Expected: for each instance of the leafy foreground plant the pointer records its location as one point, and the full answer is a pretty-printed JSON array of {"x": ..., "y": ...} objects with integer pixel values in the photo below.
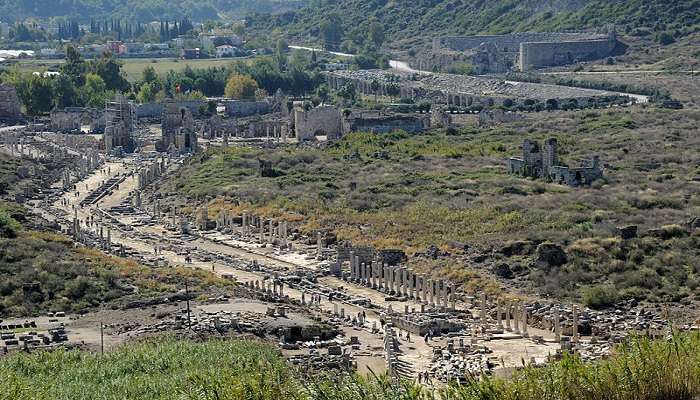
[{"x": 239, "y": 369}]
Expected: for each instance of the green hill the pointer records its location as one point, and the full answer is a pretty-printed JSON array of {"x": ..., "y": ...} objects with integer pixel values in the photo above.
[
  {"x": 141, "y": 10},
  {"x": 412, "y": 20}
]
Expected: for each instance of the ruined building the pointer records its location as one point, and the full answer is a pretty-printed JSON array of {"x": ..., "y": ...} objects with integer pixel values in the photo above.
[
  {"x": 543, "y": 164},
  {"x": 71, "y": 120},
  {"x": 179, "y": 135},
  {"x": 520, "y": 51},
  {"x": 120, "y": 124},
  {"x": 10, "y": 108}
]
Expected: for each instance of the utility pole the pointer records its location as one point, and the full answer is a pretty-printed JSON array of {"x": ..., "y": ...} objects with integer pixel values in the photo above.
[{"x": 187, "y": 299}]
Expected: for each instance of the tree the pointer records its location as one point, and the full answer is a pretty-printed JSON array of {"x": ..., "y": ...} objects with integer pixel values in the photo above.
[
  {"x": 149, "y": 76},
  {"x": 64, "y": 92},
  {"x": 146, "y": 94},
  {"x": 281, "y": 53},
  {"x": 240, "y": 87},
  {"x": 331, "y": 31},
  {"x": 348, "y": 92},
  {"x": 665, "y": 38},
  {"x": 110, "y": 70},
  {"x": 375, "y": 85},
  {"x": 95, "y": 91},
  {"x": 376, "y": 33},
  {"x": 36, "y": 94},
  {"x": 74, "y": 67}
]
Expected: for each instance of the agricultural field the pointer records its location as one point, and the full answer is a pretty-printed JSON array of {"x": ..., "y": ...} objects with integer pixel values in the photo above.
[{"x": 133, "y": 67}]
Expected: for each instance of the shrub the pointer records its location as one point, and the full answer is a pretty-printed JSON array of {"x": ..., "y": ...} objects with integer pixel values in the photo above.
[{"x": 599, "y": 296}]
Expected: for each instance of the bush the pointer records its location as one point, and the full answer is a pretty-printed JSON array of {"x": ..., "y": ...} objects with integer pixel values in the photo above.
[
  {"x": 600, "y": 296},
  {"x": 665, "y": 38},
  {"x": 8, "y": 225}
]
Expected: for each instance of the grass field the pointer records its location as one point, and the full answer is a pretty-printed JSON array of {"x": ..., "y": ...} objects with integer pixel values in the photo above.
[
  {"x": 132, "y": 67},
  {"x": 166, "y": 368}
]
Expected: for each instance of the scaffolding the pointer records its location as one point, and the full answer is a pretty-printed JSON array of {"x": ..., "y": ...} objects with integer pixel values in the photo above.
[{"x": 120, "y": 124}]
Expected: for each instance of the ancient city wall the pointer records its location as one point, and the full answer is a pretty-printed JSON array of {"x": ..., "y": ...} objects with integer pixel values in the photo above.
[
  {"x": 508, "y": 43},
  {"x": 545, "y": 54}
]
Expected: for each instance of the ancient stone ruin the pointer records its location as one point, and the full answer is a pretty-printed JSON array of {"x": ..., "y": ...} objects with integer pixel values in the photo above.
[
  {"x": 120, "y": 123},
  {"x": 177, "y": 125},
  {"x": 519, "y": 51},
  {"x": 71, "y": 119},
  {"x": 540, "y": 164},
  {"x": 10, "y": 108}
]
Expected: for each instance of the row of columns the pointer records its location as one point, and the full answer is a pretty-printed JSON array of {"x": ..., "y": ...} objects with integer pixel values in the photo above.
[
  {"x": 272, "y": 287},
  {"x": 401, "y": 281}
]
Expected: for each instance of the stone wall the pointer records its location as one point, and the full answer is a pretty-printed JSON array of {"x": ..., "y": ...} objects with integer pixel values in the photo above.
[
  {"x": 509, "y": 43},
  {"x": 155, "y": 110},
  {"x": 323, "y": 120},
  {"x": 10, "y": 107},
  {"x": 240, "y": 108},
  {"x": 500, "y": 53},
  {"x": 382, "y": 123},
  {"x": 547, "y": 54}
]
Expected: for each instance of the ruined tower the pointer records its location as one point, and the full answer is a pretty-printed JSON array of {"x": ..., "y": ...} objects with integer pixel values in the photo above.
[
  {"x": 9, "y": 103},
  {"x": 120, "y": 123},
  {"x": 549, "y": 157},
  {"x": 178, "y": 131}
]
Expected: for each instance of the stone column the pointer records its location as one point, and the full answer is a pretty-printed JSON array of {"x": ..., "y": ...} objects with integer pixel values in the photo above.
[
  {"x": 424, "y": 289},
  {"x": 431, "y": 292},
  {"x": 382, "y": 274},
  {"x": 482, "y": 307},
  {"x": 373, "y": 272},
  {"x": 557, "y": 327},
  {"x": 445, "y": 297},
  {"x": 499, "y": 322},
  {"x": 319, "y": 244},
  {"x": 411, "y": 284},
  {"x": 352, "y": 266},
  {"x": 516, "y": 322},
  {"x": 574, "y": 327},
  {"x": 507, "y": 308},
  {"x": 524, "y": 315}
]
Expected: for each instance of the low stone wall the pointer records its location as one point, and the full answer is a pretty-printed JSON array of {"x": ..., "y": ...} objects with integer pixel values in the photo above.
[
  {"x": 240, "y": 108},
  {"x": 155, "y": 110}
]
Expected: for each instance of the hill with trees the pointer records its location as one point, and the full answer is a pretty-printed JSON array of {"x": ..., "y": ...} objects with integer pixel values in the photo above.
[
  {"x": 342, "y": 22},
  {"x": 140, "y": 10}
]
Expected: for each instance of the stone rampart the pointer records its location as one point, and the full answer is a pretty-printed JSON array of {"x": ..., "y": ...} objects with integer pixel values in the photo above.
[{"x": 547, "y": 54}]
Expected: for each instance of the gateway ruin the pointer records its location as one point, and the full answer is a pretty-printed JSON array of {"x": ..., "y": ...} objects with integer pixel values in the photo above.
[{"x": 542, "y": 163}]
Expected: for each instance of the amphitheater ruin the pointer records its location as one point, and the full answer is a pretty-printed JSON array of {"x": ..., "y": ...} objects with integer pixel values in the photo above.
[{"x": 518, "y": 51}]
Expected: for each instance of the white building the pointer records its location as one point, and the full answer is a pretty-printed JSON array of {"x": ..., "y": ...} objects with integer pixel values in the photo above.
[{"x": 225, "y": 51}]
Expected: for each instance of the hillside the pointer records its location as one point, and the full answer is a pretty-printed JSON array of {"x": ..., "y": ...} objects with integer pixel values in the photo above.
[
  {"x": 419, "y": 20},
  {"x": 443, "y": 187},
  {"x": 143, "y": 11}
]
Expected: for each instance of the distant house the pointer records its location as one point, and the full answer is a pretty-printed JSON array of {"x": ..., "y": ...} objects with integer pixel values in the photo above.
[
  {"x": 189, "y": 54},
  {"x": 225, "y": 51},
  {"x": 156, "y": 46},
  {"x": 134, "y": 47},
  {"x": 116, "y": 47}
]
